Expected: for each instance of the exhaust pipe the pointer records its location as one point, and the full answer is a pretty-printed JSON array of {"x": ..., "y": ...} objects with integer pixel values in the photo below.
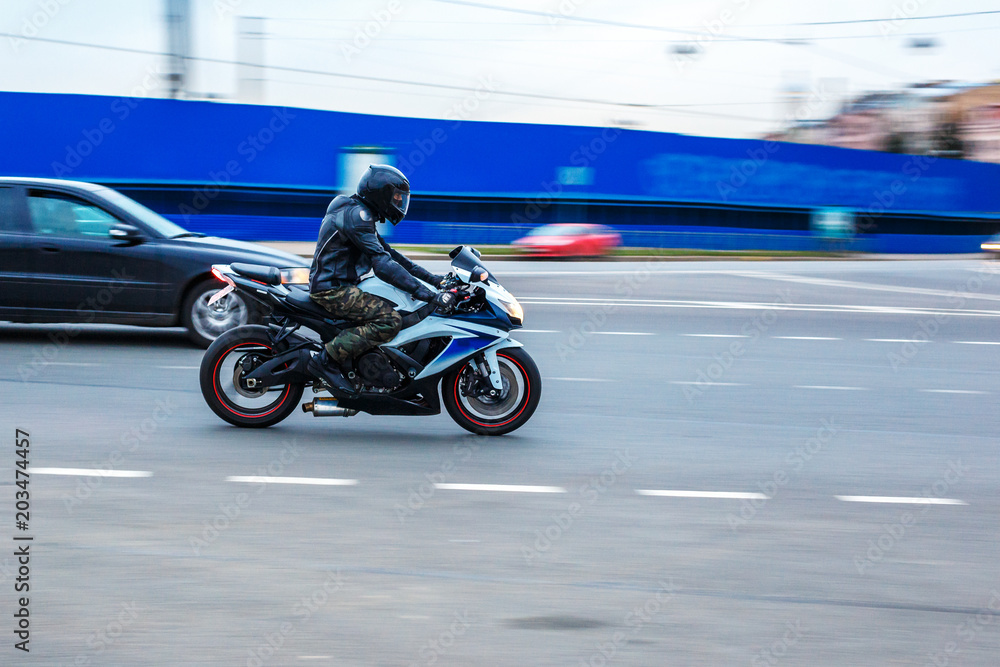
[{"x": 327, "y": 407}]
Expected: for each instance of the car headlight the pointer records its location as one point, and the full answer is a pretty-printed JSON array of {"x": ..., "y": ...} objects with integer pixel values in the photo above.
[
  {"x": 991, "y": 245},
  {"x": 513, "y": 308},
  {"x": 295, "y": 276}
]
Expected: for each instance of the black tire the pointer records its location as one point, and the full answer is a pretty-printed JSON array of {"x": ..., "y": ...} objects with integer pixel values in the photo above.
[
  {"x": 508, "y": 413},
  {"x": 205, "y": 323},
  {"x": 215, "y": 371}
]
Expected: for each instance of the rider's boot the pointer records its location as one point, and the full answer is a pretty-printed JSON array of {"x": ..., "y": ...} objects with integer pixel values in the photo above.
[{"x": 328, "y": 370}]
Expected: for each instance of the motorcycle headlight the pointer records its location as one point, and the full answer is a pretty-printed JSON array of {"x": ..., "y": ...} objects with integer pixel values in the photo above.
[
  {"x": 296, "y": 276},
  {"x": 513, "y": 308}
]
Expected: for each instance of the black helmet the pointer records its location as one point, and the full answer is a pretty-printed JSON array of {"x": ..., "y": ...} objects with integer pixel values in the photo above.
[{"x": 386, "y": 190}]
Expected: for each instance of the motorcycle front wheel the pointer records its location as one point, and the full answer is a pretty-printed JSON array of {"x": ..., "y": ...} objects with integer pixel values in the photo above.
[
  {"x": 224, "y": 367},
  {"x": 485, "y": 415}
]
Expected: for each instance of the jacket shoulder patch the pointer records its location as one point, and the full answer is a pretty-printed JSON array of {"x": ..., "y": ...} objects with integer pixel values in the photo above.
[{"x": 365, "y": 215}]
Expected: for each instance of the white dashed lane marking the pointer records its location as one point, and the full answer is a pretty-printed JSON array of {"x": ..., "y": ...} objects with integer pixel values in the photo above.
[
  {"x": 622, "y": 333},
  {"x": 901, "y": 500},
  {"x": 806, "y": 338},
  {"x": 312, "y": 481},
  {"x": 977, "y": 342},
  {"x": 954, "y": 391},
  {"x": 511, "y": 488},
  {"x": 896, "y": 340},
  {"x": 89, "y": 472},
  {"x": 709, "y": 384},
  {"x": 832, "y": 388},
  {"x": 714, "y": 336},
  {"x": 720, "y": 495}
]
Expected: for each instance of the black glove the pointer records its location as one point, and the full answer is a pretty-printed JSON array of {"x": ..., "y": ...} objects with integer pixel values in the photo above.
[
  {"x": 423, "y": 294},
  {"x": 445, "y": 301},
  {"x": 439, "y": 281}
]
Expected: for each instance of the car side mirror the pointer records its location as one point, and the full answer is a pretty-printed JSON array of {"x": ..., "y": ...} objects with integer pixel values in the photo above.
[{"x": 125, "y": 232}]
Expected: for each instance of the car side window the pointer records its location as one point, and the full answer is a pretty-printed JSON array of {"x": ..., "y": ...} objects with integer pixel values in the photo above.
[
  {"x": 8, "y": 215},
  {"x": 54, "y": 214}
]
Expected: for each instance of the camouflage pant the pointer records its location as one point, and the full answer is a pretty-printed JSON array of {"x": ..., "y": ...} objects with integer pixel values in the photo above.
[{"x": 379, "y": 323}]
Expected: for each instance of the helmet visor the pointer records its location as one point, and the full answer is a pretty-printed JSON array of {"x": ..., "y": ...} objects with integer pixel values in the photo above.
[{"x": 400, "y": 201}]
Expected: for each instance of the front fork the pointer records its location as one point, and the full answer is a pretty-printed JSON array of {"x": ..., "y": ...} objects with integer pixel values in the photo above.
[{"x": 487, "y": 369}]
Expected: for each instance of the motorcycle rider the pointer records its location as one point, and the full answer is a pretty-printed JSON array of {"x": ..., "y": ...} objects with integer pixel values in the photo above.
[{"x": 349, "y": 246}]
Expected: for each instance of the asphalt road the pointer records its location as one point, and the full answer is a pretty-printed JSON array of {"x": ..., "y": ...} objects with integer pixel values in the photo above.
[{"x": 733, "y": 463}]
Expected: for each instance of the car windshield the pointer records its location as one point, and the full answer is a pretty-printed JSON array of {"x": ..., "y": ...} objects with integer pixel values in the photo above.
[
  {"x": 151, "y": 219},
  {"x": 555, "y": 230}
]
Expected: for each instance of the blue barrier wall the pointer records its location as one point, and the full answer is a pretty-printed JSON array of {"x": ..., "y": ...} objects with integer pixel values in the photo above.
[{"x": 182, "y": 143}]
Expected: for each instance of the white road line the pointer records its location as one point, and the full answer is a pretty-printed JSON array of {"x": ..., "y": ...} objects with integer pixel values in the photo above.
[
  {"x": 89, "y": 472},
  {"x": 953, "y": 391},
  {"x": 748, "y": 305},
  {"x": 826, "y": 282},
  {"x": 67, "y": 363},
  {"x": 807, "y": 386},
  {"x": 500, "y": 487},
  {"x": 580, "y": 380},
  {"x": 895, "y": 340},
  {"x": 725, "y": 495},
  {"x": 714, "y": 336},
  {"x": 622, "y": 333},
  {"x": 805, "y": 338},
  {"x": 315, "y": 481},
  {"x": 537, "y": 331},
  {"x": 709, "y": 384},
  {"x": 901, "y": 501},
  {"x": 180, "y": 368},
  {"x": 977, "y": 342}
]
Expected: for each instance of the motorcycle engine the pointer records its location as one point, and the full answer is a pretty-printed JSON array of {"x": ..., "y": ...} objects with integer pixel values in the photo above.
[{"x": 376, "y": 371}]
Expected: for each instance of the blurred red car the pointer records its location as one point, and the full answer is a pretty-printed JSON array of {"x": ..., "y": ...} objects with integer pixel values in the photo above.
[{"x": 569, "y": 240}]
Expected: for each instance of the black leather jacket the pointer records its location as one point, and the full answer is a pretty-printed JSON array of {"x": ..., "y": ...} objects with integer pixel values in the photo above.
[{"x": 349, "y": 247}]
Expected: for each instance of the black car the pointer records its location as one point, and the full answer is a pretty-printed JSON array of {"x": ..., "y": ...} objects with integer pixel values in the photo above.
[{"x": 79, "y": 252}]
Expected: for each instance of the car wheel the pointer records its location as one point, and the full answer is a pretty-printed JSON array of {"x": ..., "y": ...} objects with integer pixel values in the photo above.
[{"x": 206, "y": 322}]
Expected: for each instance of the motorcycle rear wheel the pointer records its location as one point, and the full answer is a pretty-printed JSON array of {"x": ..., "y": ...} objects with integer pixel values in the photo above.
[{"x": 222, "y": 372}]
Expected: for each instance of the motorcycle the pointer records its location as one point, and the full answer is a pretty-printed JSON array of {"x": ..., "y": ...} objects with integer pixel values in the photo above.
[{"x": 254, "y": 375}]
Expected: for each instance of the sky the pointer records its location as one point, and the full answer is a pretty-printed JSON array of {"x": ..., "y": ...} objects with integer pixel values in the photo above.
[{"x": 578, "y": 62}]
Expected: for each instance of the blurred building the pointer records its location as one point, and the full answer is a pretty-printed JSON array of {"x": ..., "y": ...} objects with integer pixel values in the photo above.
[{"x": 944, "y": 119}]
